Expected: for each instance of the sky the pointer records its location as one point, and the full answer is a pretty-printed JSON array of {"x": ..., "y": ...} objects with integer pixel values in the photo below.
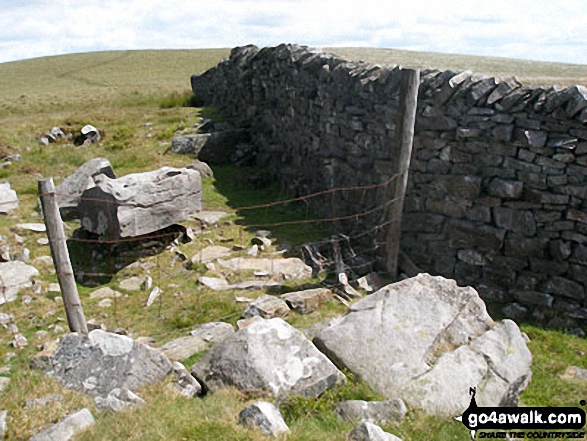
[{"x": 545, "y": 30}]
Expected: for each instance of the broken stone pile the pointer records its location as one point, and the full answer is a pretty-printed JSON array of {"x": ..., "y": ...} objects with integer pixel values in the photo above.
[
  {"x": 132, "y": 205},
  {"x": 497, "y": 190},
  {"x": 421, "y": 343}
]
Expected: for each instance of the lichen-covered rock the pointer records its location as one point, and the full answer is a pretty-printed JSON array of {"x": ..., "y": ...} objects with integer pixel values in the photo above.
[
  {"x": 102, "y": 361},
  {"x": 367, "y": 431},
  {"x": 67, "y": 428},
  {"x": 14, "y": 276},
  {"x": 427, "y": 341},
  {"x": 265, "y": 416},
  {"x": 267, "y": 357}
]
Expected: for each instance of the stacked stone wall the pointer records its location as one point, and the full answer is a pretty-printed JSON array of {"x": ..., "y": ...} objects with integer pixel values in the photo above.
[{"x": 497, "y": 192}]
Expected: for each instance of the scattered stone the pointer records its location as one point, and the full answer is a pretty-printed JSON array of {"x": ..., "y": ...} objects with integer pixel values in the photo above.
[
  {"x": 70, "y": 190},
  {"x": 185, "y": 383},
  {"x": 425, "y": 340},
  {"x": 371, "y": 282},
  {"x": 117, "y": 400},
  {"x": 367, "y": 431},
  {"x": 140, "y": 203},
  {"x": 264, "y": 416},
  {"x": 378, "y": 412},
  {"x": 574, "y": 373},
  {"x": 105, "y": 361},
  {"x": 218, "y": 284},
  {"x": 67, "y": 428},
  {"x": 4, "y": 382},
  {"x": 155, "y": 294},
  {"x": 268, "y": 356},
  {"x": 15, "y": 276},
  {"x": 253, "y": 251},
  {"x": 35, "y": 403},
  {"x": 5, "y": 253},
  {"x": 307, "y": 301},
  {"x": 202, "y": 168},
  {"x": 104, "y": 293},
  {"x": 134, "y": 283},
  {"x": 199, "y": 340},
  {"x": 54, "y": 287},
  {"x": 3, "y": 428},
  {"x": 19, "y": 341},
  {"x": 42, "y": 334},
  {"x": 267, "y": 307},
  {"x": 210, "y": 254},
  {"x": 58, "y": 329},
  {"x": 37, "y": 228},
  {"x": 8, "y": 198},
  {"x": 243, "y": 299},
  {"x": 214, "y": 283},
  {"x": 6, "y": 319},
  {"x": 287, "y": 269},
  {"x": 43, "y": 241},
  {"x": 209, "y": 217},
  {"x": 105, "y": 303},
  {"x": 262, "y": 242}
]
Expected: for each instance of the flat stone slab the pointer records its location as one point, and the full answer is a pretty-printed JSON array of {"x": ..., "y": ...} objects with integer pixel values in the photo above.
[
  {"x": 289, "y": 268},
  {"x": 210, "y": 254},
  {"x": 140, "y": 203},
  {"x": 101, "y": 362},
  {"x": 218, "y": 284},
  {"x": 210, "y": 217},
  {"x": 104, "y": 293},
  {"x": 134, "y": 283},
  {"x": 427, "y": 341},
  {"x": 37, "y": 228},
  {"x": 199, "y": 340},
  {"x": 15, "y": 275},
  {"x": 267, "y": 357},
  {"x": 308, "y": 300},
  {"x": 267, "y": 307},
  {"x": 67, "y": 428}
]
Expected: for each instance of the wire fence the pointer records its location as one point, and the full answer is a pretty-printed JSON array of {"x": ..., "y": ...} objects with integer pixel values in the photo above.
[{"x": 98, "y": 258}]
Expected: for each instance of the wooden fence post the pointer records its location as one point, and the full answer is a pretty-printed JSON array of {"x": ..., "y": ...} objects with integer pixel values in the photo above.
[
  {"x": 400, "y": 166},
  {"x": 56, "y": 235}
]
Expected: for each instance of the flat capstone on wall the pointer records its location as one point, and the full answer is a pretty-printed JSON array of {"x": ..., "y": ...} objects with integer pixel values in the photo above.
[{"x": 497, "y": 192}]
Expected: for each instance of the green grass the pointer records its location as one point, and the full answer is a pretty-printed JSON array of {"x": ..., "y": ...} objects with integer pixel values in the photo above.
[{"x": 138, "y": 100}]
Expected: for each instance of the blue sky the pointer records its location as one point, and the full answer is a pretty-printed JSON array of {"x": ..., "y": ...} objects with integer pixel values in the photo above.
[{"x": 547, "y": 30}]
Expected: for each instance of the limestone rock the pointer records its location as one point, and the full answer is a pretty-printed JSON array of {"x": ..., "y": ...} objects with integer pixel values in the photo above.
[
  {"x": 574, "y": 373},
  {"x": 4, "y": 382},
  {"x": 15, "y": 275},
  {"x": 102, "y": 361},
  {"x": 210, "y": 254},
  {"x": 185, "y": 384},
  {"x": 140, "y": 203},
  {"x": 308, "y": 300},
  {"x": 367, "y": 431},
  {"x": 134, "y": 283},
  {"x": 210, "y": 217},
  {"x": 199, "y": 340},
  {"x": 378, "y": 412},
  {"x": 218, "y": 284},
  {"x": 268, "y": 356},
  {"x": 104, "y": 293},
  {"x": 35, "y": 227},
  {"x": 264, "y": 416},
  {"x": 68, "y": 193},
  {"x": 267, "y": 307},
  {"x": 117, "y": 400},
  {"x": 290, "y": 268},
  {"x": 202, "y": 168},
  {"x": 3, "y": 428},
  {"x": 426, "y": 341},
  {"x": 8, "y": 198},
  {"x": 67, "y": 428}
]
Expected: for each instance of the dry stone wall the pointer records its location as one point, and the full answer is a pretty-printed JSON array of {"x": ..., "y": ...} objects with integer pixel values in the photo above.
[{"x": 497, "y": 193}]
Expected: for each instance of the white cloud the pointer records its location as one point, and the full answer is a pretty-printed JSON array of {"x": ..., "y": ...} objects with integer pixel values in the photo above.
[{"x": 536, "y": 29}]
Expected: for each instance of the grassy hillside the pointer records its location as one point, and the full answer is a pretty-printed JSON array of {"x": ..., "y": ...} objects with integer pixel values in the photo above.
[{"x": 135, "y": 98}]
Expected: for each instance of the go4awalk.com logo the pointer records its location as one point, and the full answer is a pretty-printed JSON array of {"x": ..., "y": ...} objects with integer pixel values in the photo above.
[{"x": 523, "y": 422}]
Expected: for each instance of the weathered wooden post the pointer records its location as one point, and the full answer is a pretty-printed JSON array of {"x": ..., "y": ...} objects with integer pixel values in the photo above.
[
  {"x": 56, "y": 235},
  {"x": 400, "y": 166}
]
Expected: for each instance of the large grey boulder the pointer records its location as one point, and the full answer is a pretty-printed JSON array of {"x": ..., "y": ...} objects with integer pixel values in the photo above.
[
  {"x": 140, "y": 203},
  {"x": 67, "y": 428},
  {"x": 14, "y": 276},
  {"x": 265, "y": 416},
  {"x": 68, "y": 193},
  {"x": 427, "y": 341},
  {"x": 8, "y": 198},
  {"x": 101, "y": 362},
  {"x": 267, "y": 357}
]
